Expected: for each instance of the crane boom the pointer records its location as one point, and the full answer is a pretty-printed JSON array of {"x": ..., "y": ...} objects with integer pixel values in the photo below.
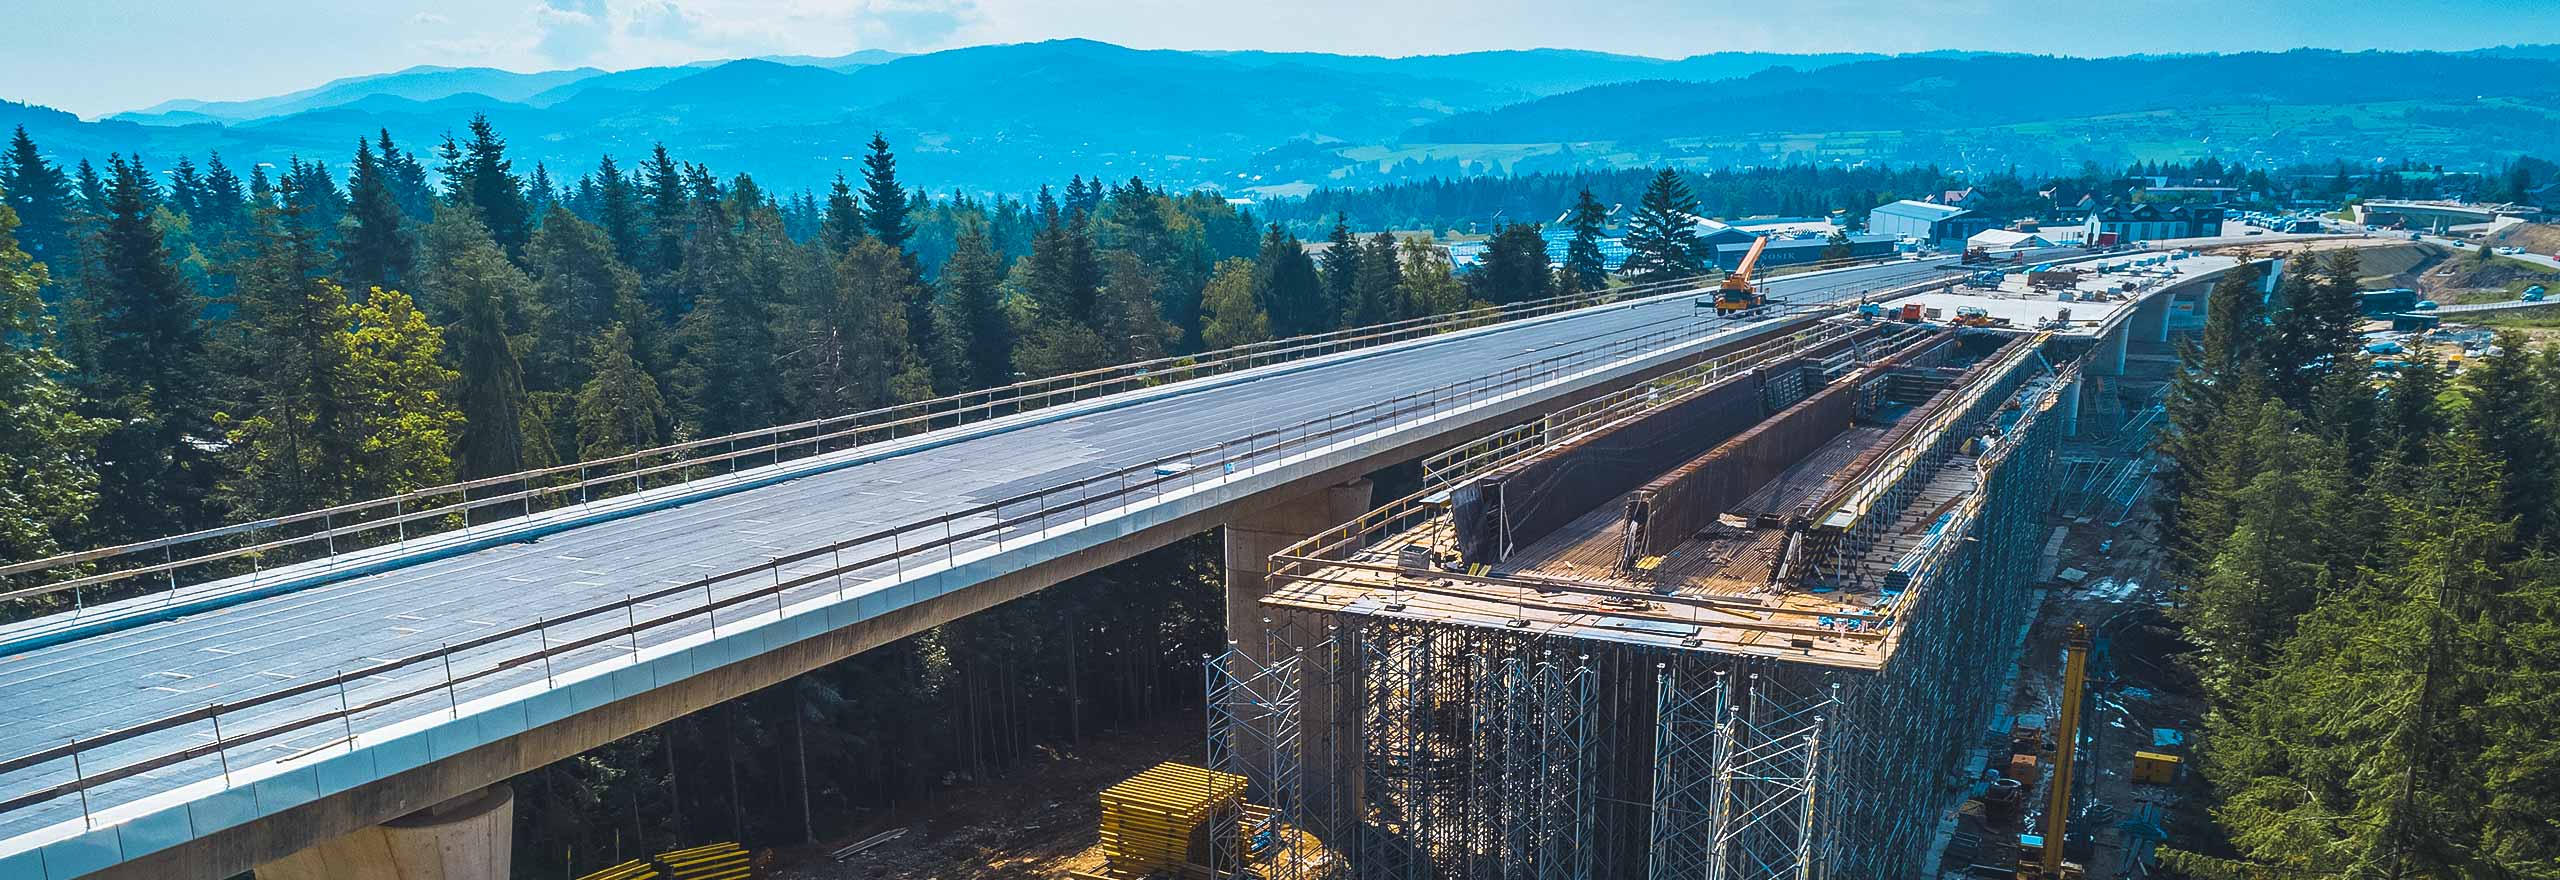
[
  {"x": 1737, "y": 295},
  {"x": 1741, "y": 277},
  {"x": 2066, "y": 741}
]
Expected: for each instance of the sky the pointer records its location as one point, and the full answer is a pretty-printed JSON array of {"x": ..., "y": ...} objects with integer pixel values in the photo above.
[{"x": 95, "y": 57}]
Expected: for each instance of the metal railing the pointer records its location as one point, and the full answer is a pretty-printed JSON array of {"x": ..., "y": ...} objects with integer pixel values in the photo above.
[
  {"x": 256, "y": 547},
  {"x": 988, "y": 527}
]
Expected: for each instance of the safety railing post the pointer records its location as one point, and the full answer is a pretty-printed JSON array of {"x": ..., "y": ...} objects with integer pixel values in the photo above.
[{"x": 452, "y": 702}]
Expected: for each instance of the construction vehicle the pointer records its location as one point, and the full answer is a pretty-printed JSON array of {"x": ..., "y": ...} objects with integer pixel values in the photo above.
[
  {"x": 1972, "y": 316},
  {"x": 2066, "y": 739},
  {"x": 1738, "y": 297}
]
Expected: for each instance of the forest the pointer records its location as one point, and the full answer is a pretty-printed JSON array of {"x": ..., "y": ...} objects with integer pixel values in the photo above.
[
  {"x": 2370, "y": 591},
  {"x": 185, "y": 349},
  {"x": 2372, "y": 597}
]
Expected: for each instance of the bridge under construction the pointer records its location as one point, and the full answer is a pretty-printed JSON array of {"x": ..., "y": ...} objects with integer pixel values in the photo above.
[{"x": 1741, "y": 621}]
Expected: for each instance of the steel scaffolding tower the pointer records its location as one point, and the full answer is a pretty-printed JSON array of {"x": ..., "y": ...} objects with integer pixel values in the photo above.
[{"x": 1254, "y": 732}]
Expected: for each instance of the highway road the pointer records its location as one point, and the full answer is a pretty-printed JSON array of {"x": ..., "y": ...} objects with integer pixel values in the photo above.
[{"x": 103, "y": 682}]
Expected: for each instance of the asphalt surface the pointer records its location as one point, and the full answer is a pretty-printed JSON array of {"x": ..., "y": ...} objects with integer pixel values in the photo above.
[{"x": 109, "y": 681}]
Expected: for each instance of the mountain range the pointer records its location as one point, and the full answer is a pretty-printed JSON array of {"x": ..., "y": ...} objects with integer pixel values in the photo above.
[{"x": 1010, "y": 117}]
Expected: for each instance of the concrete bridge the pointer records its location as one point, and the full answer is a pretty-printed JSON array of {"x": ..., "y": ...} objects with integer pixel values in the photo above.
[{"x": 327, "y": 716}]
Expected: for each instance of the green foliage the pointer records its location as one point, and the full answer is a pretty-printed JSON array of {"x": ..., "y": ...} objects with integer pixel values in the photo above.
[
  {"x": 1662, "y": 240},
  {"x": 155, "y": 472},
  {"x": 884, "y": 202},
  {"x": 1513, "y": 268},
  {"x": 1231, "y": 316},
  {"x": 2373, "y": 622},
  {"x": 1286, "y": 286},
  {"x": 977, "y": 334},
  {"x": 620, "y": 409},
  {"x": 45, "y": 443},
  {"x": 1582, "y": 257}
]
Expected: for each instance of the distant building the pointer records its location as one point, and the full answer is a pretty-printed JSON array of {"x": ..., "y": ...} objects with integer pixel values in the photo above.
[
  {"x": 1967, "y": 198},
  {"x": 2006, "y": 240},
  {"x": 1783, "y": 252},
  {"x": 2152, "y": 222},
  {"x": 1613, "y": 249},
  {"x": 1940, "y": 225}
]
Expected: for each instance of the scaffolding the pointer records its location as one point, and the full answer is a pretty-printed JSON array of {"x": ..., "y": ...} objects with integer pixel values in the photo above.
[{"x": 1510, "y": 723}]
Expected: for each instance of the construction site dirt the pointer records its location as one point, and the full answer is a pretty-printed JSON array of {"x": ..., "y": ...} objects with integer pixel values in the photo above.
[{"x": 1035, "y": 823}]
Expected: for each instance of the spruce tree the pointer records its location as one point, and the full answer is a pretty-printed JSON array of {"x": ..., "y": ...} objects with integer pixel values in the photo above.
[
  {"x": 1513, "y": 268},
  {"x": 977, "y": 334},
  {"x": 487, "y": 181},
  {"x": 1378, "y": 298},
  {"x": 2505, "y": 419},
  {"x": 843, "y": 221},
  {"x": 884, "y": 202},
  {"x": 1662, "y": 238},
  {"x": 1341, "y": 270},
  {"x": 42, "y": 196},
  {"x": 156, "y": 474},
  {"x": 377, "y": 249},
  {"x": 618, "y": 211},
  {"x": 581, "y": 290},
  {"x": 297, "y": 447},
  {"x": 850, "y": 352},
  {"x": 1582, "y": 257},
  {"x": 670, "y": 222},
  {"x": 1287, "y": 288},
  {"x": 620, "y": 409},
  {"x": 485, "y": 292}
]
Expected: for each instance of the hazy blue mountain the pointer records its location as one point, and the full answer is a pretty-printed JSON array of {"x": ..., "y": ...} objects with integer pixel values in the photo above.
[
  {"x": 423, "y": 83},
  {"x": 1009, "y": 117},
  {"x": 1959, "y": 93},
  {"x": 1538, "y": 72}
]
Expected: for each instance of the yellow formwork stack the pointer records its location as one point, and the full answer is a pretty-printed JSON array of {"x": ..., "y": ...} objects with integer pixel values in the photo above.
[
  {"x": 1154, "y": 822},
  {"x": 637, "y": 869},
  {"x": 718, "y": 861}
]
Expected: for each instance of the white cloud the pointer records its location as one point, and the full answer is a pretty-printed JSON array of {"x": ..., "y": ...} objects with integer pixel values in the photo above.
[
  {"x": 632, "y": 33},
  {"x": 429, "y": 19}
]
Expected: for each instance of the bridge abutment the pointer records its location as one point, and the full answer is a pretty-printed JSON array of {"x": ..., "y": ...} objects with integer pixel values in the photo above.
[{"x": 471, "y": 837}]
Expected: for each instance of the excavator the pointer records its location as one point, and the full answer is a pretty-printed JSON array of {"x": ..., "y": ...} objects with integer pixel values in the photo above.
[{"x": 1737, "y": 298}]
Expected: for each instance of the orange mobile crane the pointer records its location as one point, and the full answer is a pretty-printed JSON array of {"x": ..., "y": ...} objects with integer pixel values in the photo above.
[{"x": 1737, "y": 297}]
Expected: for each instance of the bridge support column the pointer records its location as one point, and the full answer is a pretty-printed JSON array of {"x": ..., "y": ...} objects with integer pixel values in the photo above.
[
  {"x": 1329, "y": 689},
  {"x": 2108, "y": 359},
  {"x": 2151, "y": 318},
  {"x": 468, "y": 838},
  {"x": 1251, "y": 541},
  {"x": 2069, "y": 408}
]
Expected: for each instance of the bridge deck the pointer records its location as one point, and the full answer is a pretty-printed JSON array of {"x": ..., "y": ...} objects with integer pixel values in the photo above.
[{"x": 112, "y": 680}]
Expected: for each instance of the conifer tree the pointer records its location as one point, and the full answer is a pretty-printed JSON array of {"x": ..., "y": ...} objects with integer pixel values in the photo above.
[
  {"x": 1582, "y": 257},
  {"x": 670, "y": 222},
  {"x": 486, "y": 294},
  {"x": 849, "y": 353},
  {"x": 1341, "y": 271},
  {"x": 977, "y": 334},
  {"x": 1662, "y": 238},
  {"x": 1378, "y": 297},
  {"x": 581, "y": 290},
  {"x": 620, "y": 409},
  {"x": 618, "y": 211},
  {"x": 488, "y": 182},
  {"x": 1513, "y": 268},
  {"x": 42, "y": 196},
  {"x": 844, "y": 221},
  {"x": 296, "y": 449},
  {"x": 884, "y": 202},
  {"x": 376, "y": 249},
  {"x": 1287, "y": 288},
  {"x": 155, "y": 473}
]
